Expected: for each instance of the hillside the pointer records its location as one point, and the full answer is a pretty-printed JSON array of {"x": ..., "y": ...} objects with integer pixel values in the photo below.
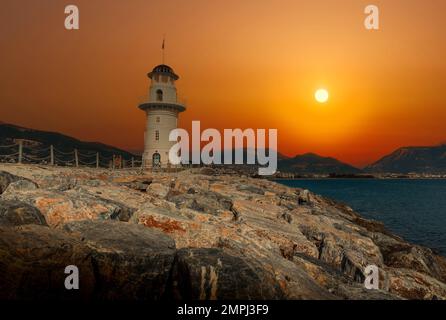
[
  {"x": 412, "y": 159},
  {"x": 9, "y": 133},
  {"x": 313, "y": 163}
]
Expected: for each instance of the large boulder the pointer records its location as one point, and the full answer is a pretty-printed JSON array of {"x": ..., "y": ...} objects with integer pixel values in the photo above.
[
  {"x": 201, "y": 201},
  {"x": 157, "y": 189},
  {"x": 116, "y": 261},
  {"x": 140, "y": 184},
  {"x": 131, "y": 262},
  {"x": 33, "y": 259},
  {"x": 15, "y": 213},
  {"x": 414, "y": 285},
  {"x": 211, "y": 274},
  {"x": 400, "y": 254},
  {"x": 7, "y": 178},
  {"x": 71, "y": 205},
  {"x": 20, "y": 185}
]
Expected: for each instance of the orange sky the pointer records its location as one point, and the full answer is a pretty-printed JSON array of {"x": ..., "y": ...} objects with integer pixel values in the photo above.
[{"x": 250, "y": 63}]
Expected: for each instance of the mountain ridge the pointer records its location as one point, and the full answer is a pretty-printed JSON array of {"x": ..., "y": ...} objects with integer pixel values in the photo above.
[
  {"x": 415, "y": 159},
  {"x": 313, "y": 163},
  {"x": 406, "y": 159},
  {"x": 9, "y": 132}
]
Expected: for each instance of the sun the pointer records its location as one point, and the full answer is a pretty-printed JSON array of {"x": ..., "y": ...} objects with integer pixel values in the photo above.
[{"x": 321, "y": 95}]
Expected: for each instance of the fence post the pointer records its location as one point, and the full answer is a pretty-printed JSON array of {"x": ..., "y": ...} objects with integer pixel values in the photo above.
[
  {"x": 76, "y": 158},
  {"x": 20, "y": 150},
  {"x": 97, "y": 160},
  {"x": 52, "y": 155}
]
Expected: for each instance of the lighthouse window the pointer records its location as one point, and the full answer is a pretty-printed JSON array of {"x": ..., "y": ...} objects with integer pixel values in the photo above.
[
  {"x": 159, "y": 95},
  {"x": 157, "y": 135},
  {"x": 157, "y": 119}
]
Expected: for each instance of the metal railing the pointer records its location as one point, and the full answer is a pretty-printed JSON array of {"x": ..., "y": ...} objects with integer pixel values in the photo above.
[{"x": 146, "y": 99}]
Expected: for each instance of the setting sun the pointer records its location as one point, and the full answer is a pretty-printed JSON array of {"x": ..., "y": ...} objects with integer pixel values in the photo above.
[{"x": 321, "y": 95}]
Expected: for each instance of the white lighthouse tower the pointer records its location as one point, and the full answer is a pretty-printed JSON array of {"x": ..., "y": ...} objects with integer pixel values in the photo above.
[{"x": 162, "y": 108}]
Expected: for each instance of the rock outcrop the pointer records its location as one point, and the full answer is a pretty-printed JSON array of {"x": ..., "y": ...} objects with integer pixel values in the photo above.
[
  {"x": 16, "y": 213},
  {"x": 195, "y": 234}
]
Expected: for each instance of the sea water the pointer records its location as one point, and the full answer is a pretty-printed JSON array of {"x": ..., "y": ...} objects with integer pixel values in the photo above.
[{"x": 412, "y": 209}]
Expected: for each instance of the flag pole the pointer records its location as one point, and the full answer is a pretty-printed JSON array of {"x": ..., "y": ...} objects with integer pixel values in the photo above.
[{"x": 164, "y": 41}]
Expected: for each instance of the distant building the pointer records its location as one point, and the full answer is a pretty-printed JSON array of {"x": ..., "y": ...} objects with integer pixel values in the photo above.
[{"x": 162, "y": 109}]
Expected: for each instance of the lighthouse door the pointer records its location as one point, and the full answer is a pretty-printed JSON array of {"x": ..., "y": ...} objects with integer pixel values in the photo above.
[{"x": 156, "y": 159}]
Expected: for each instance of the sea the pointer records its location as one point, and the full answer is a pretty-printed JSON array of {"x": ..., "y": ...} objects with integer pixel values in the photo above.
[{"x": 414, "y": 209}]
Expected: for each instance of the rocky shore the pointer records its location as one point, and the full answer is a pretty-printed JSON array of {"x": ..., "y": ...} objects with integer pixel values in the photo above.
[{"x": 195, "y": 234}]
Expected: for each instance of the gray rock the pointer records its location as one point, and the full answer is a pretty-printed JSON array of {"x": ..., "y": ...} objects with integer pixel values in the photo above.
[
  {"x": 304, "y": 197},
  {"x": 6, "y": 179},
  {"x": 116, "y": 261},
  {"x": 20, "y": 185},
  {"x": 158, "y": 190},
  {"x": 399, "y": 254},
  {"x": 208, "y": 202},
  {"x": 71, "y": 205},
  {"x": 287, "y": 217},
  {"x": 211, "y": 274},
  {"x": 250, "y": 189},
  {"x": 138, "y": 184},
  {"x": 15, "y": 213},
  {"x": 33, "y": 260},
  {"x": 130, "y": 261},
  {"x": 207, "y": 171}
]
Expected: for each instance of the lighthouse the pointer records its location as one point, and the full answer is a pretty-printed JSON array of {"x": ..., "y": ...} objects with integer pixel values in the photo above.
[{"x": 162, "y": 109}]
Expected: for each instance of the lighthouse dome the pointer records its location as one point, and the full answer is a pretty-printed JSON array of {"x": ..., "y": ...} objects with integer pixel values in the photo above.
[{"x": 163, "y": 69}]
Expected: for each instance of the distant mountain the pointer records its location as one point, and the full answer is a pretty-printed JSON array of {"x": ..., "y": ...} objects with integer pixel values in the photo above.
[
  {"x": 313, "y": 163},
  {"x": 9, "y": 133},
  {"x": 412, "y": 159},
  {"x": 281, "y": 157},
  {"x": 246, "y": 152}
]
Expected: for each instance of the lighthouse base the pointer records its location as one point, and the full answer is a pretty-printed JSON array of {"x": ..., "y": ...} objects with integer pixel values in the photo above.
[{"x": 156, "y": 159}]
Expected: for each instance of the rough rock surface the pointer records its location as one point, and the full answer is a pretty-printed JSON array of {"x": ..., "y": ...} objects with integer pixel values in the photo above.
[
  {"x": 16, "y": 213},
  {"x": 129, "y": 260},
  {"x": 195, "y": 234}
]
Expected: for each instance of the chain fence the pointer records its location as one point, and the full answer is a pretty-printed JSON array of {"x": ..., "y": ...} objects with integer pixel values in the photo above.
[{"x": 22, "y": 153}]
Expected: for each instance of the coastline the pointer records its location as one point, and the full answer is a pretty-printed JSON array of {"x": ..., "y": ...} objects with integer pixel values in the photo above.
[
  {"x": 360, "y": 178},
  {"x": 392, "y": 202},
  {"x": 278, "y": 242}
]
